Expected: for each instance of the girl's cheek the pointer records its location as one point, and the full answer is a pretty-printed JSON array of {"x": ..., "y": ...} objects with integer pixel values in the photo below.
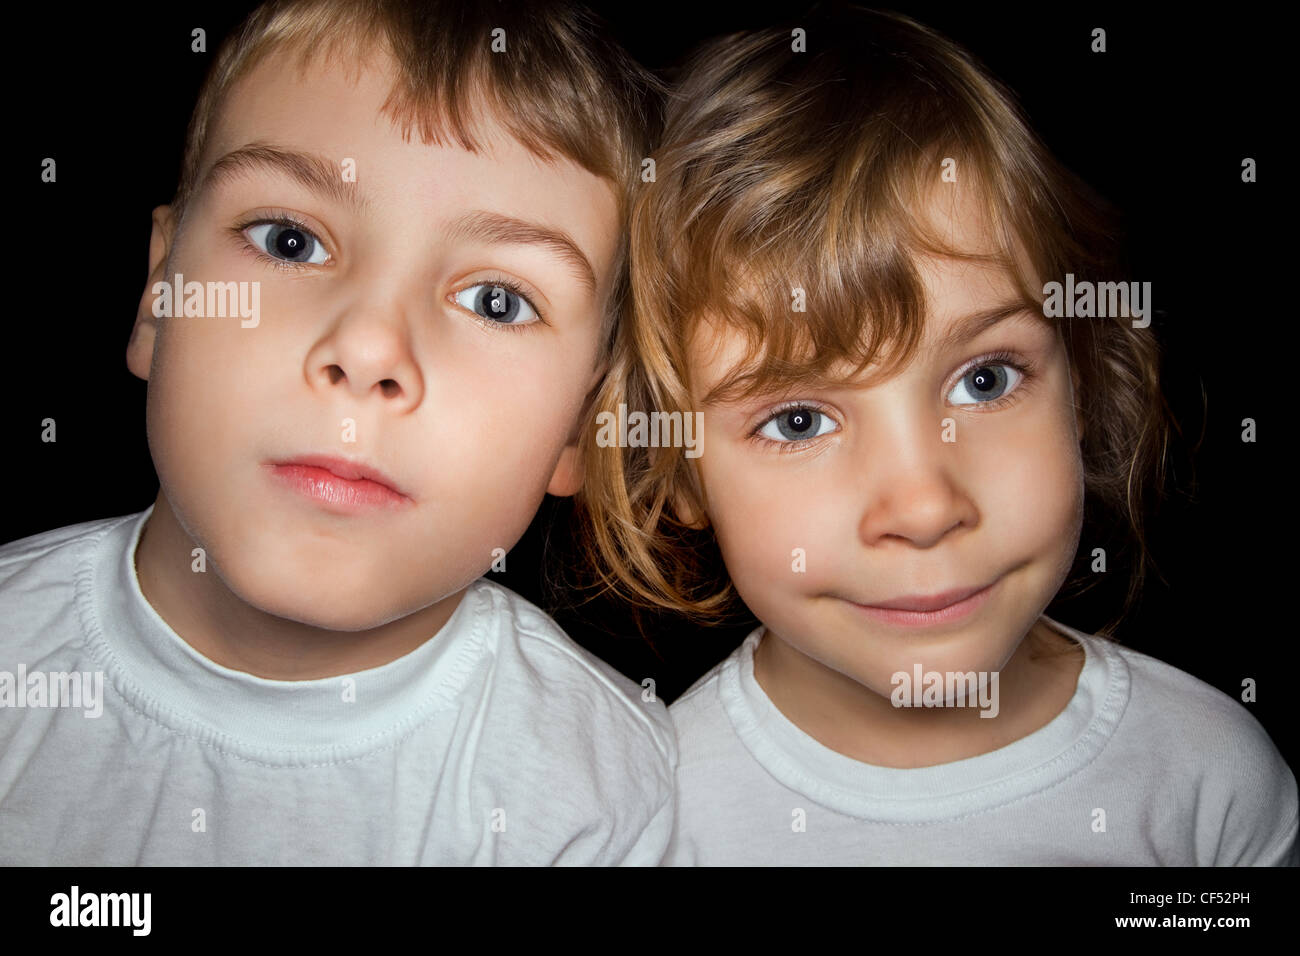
[
  {"x": 1041, "y": 496},
  {"x": 744, "y": 509},
  {"x": 776, "y": 533}
]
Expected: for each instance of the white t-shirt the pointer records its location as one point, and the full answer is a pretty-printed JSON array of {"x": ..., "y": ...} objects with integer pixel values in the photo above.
[
  {"x": 498, "y": 741},
  {"x": 1146, "y": 765}
]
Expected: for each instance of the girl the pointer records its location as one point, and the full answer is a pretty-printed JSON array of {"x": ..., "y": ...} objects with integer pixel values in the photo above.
[{"x": 846, "y": 264}]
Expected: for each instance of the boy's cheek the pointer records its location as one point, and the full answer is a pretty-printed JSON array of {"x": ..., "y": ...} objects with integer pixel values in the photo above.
[{"x": 522, "y": 431}]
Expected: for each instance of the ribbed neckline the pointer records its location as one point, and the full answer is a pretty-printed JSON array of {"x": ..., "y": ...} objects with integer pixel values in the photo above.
[
  {"x": 1064, "y": 745},
  {"x": 273, "y": 722}
]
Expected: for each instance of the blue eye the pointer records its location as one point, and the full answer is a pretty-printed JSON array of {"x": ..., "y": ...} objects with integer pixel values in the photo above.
[
  {"x": 986, "y": 382},
  {"x": 498, "y": 303},
  {"x": 287, "y": 242},
  {"x": 796, "y": 424}
]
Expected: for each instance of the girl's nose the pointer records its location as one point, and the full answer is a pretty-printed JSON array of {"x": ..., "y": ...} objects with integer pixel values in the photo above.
[{"x": 913, "y": 492}]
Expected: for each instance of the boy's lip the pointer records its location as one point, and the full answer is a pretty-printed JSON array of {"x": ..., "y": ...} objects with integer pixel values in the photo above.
[{"x": 347, "y": 469}]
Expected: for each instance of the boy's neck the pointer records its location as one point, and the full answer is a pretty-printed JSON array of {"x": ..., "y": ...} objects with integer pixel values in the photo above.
[
  {"x": 840, "y": 713},
  {"x": 222, "y": 627}
]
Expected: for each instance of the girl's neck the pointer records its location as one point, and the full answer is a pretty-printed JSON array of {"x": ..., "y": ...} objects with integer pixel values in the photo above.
[{"x": 840, "y": 713}]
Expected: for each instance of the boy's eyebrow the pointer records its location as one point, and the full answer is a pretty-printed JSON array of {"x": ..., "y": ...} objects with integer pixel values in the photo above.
[
  {"x": 492, "y": 227},
  {"x": 315, "y": 172},
  {"x": 319, "y": 175}
]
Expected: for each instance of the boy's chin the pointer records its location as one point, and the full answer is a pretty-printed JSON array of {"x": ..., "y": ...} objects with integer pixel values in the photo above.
[{"x": 328, "y": 604}]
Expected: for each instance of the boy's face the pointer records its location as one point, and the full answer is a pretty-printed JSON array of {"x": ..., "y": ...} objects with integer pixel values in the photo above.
[
  {"x": 884, "y": 508},
  {"x": 383, "y": 338}
]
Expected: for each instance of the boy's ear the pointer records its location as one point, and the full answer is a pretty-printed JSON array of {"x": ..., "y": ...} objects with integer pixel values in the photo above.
[
  {"x": 566, "y": 480},
  {"x": 139, "y": 348}
]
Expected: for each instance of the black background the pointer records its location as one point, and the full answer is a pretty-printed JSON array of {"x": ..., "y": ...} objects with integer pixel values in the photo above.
[{"x": 1159, "y": 124}]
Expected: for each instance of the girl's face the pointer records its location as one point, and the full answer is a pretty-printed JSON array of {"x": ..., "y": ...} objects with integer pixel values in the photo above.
[{"x": 962, "y": 471}]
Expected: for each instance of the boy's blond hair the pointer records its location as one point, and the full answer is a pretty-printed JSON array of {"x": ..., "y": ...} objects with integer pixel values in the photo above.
[
  {"x": 561, "y": 86},
  {"x": 782, "y": 169}
]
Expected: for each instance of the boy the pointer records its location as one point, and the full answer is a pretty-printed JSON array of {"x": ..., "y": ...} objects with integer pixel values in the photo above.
[{"x": 298, "y": 658}]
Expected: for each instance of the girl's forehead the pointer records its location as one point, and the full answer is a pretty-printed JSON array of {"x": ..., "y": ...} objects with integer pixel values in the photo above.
[
  {"x": 957, "y": 288},
  {"x": 965, "y": 263},
  {"x": 960, "y": 296}
]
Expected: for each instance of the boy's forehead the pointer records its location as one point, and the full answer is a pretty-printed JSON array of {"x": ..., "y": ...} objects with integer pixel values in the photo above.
[
  {"x": 284, "y": 95},
  {"x": 332, "y": 110}
]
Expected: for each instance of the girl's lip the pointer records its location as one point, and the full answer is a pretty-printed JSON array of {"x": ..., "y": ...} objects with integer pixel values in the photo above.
[
  {"x": 934, "y": 602},
  {"x": 926, "y": 610}
]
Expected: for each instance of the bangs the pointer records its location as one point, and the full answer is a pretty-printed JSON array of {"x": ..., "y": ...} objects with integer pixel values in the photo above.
[
  {"x": 450, "y": 92},
  {"x": 829, "y": 289},
  {"x": 799, "y": 191},
  {"x": 561, "y": 90}
]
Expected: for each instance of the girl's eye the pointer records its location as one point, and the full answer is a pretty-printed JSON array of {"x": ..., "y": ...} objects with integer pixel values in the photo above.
[
  {"x": 497, "y": 303},
  {"x": 287, "y": 242},
  {"x": 796, "y": 424},
  {"x": 985, "y": 383}
]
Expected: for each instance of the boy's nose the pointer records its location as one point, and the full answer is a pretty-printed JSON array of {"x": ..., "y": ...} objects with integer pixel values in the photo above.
[
  {"x": 913, "y": 491},
  {"x": 370, "y": 357}
]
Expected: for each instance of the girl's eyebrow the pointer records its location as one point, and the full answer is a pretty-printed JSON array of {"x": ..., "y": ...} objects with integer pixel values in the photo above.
[
  {"x": 975, "y": 324},
  {"x": 316, "y": 173},
  {"x": 963, "y": 331}
]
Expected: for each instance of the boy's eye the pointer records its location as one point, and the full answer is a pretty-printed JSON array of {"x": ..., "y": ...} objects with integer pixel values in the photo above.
[
  {"x": 497, "y": 303},
  {"x": 287, "y": 242},
  {"x": 796, "y": 424},
  {"x": 985, "y": 383}
]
